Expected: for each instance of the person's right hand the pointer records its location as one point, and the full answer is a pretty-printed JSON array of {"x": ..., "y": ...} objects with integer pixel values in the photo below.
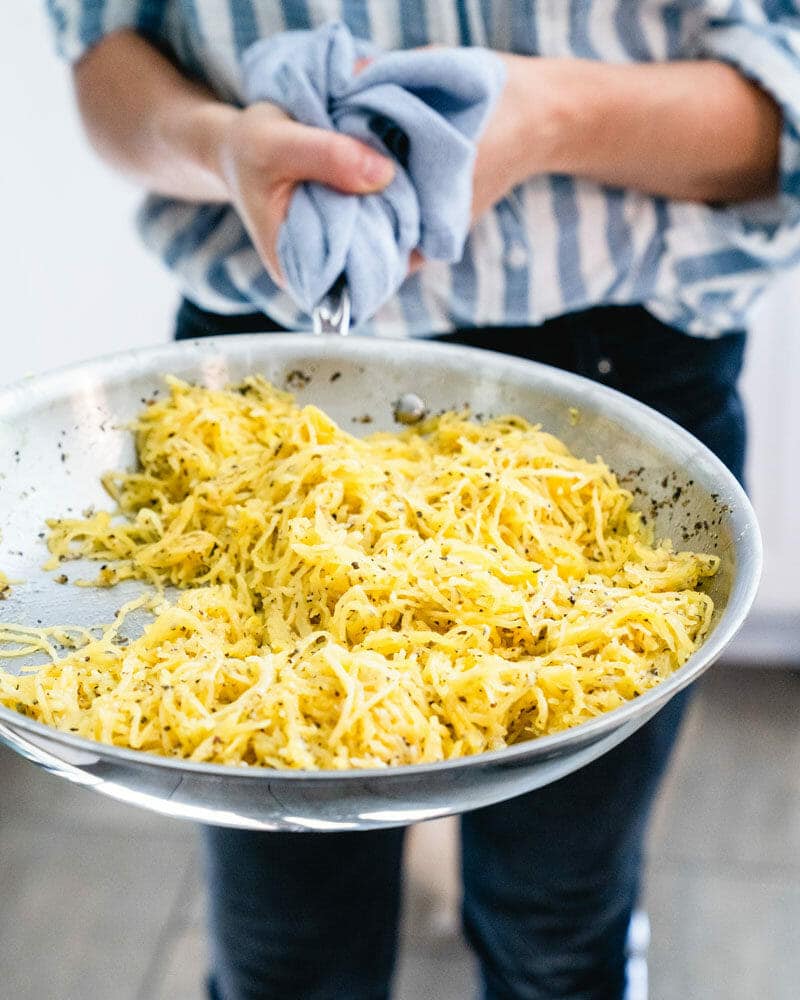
[{"x": 263, "y": 155}]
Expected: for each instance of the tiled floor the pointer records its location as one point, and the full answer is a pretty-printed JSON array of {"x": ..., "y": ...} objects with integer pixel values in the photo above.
[{"x": 100, "y": 901}]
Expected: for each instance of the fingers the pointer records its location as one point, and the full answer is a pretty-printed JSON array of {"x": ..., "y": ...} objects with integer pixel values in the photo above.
[
  {"x": 335, "y": 160},
  {"x": 263, "y": 219},
  {"x": 265, "y": 240},
  {"x": 415, "y": 262},
  {"x": 269, "y": 155}
]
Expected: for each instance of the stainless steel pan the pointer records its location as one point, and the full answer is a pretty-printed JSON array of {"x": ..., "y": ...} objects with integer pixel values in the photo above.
[{"x": 58, "y": 432}]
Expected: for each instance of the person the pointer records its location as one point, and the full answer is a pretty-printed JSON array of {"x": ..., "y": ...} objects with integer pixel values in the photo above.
[{"x": 635, "y": 190}]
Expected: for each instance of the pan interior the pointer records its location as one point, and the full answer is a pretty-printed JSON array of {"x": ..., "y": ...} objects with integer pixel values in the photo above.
[{"x": 58, "y": 434}]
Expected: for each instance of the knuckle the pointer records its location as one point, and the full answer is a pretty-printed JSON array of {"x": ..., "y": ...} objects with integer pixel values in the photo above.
[{"x": 347, "y": 158}]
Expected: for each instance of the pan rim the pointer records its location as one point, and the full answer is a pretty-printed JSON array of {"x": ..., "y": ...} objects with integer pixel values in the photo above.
[{"x": 743, "y": 526}]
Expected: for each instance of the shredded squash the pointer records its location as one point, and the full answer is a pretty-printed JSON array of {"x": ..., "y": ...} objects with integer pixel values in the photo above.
[{"x": 346, "y": 602}]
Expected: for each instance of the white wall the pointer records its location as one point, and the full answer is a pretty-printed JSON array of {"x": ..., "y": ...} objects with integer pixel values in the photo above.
[
  {"x": 772, "y": 394},
  {"x": 75, "y": 283},
  {"x": 74, "y": 280}
]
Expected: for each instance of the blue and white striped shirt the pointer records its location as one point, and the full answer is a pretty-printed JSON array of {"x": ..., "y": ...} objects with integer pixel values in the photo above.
[{"x": 556, "y": 244}]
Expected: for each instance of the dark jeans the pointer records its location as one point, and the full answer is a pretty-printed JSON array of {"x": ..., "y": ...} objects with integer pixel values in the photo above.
[{"x": 550, "y": 878}]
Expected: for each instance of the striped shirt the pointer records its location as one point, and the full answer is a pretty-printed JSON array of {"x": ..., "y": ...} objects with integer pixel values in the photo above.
[{"x": 556, "y": 244}]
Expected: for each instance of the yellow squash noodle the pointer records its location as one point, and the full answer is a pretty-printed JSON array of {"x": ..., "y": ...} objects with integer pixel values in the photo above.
[{"x": 348, "y": 602}]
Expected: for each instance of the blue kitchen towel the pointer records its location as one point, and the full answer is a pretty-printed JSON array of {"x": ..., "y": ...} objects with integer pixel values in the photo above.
[{"x": 425, "y": 108}]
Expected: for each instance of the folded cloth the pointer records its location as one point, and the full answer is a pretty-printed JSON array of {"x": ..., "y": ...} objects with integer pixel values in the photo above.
[{"x": 425, "y": 108}]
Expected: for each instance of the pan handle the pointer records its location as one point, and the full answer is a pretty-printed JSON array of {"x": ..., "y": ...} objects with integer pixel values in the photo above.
[{"x": 332, "y": 315}]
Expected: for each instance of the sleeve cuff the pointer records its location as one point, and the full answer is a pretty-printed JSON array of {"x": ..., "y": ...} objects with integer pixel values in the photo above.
[{"x": 768, "y": 53}]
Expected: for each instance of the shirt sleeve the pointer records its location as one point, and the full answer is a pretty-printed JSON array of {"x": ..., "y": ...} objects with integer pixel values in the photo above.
[
  {"x": 762, "y": 41},
  {"x": 78, "y": 25}
]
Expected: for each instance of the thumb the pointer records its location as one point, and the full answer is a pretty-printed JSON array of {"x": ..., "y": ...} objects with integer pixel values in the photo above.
[{"x": 336, "y": 160}]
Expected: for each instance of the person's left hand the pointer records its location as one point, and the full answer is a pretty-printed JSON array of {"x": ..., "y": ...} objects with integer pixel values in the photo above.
[
  {"x": 512, "y": 147},
  {"x": 502, "y": 160},
  {"x": 517, "y": 137}
]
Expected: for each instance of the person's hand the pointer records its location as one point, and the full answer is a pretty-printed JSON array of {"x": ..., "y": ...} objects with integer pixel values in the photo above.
[
  {"x": 515, "y": 142},
  {"x": 519, "y": 121},
  {"x": 263, "y": 155}
]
